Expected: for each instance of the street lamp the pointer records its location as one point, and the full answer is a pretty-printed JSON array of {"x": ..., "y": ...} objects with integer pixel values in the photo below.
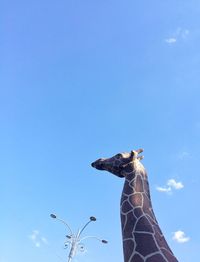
[{"x": 74, "y": 241}]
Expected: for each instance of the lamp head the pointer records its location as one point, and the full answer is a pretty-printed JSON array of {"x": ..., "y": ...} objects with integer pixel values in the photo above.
[
  {"x": 53, "y": 215},
  {"x": 104, "y": 241},
  {"x": 93, "y": 218}
]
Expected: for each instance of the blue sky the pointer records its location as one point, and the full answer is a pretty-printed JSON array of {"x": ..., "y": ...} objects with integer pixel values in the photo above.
[{"x": 81, "y": 80}]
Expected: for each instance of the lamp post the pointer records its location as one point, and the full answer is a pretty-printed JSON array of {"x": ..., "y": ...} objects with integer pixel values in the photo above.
[{"x": 74, "y": 241}]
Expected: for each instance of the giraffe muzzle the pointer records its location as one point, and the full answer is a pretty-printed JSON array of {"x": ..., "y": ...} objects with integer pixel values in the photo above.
[{"x": 98, "y": 164}]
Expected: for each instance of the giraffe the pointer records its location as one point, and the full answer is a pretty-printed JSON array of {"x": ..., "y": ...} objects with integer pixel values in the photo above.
[{"x": 143, "y": 240}]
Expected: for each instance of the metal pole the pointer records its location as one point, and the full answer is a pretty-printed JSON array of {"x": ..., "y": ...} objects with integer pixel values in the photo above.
[
  {"x": 70, "y": 259},
  {"x": 74, "y": 240}
]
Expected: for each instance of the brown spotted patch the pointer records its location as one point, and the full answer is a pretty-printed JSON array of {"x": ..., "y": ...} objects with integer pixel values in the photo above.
[
  {"x": 138, "y": 212},
  {"x": 126, "y": 207},
  {"x": 123, "y": 220},
  {"x": 137, "y": 258},
  {"x": 160, "y": 238},
  {"x": 145, "y": 244},
  {"x": 143, "y": 224},
  {"x": 136, "y": 199},
  {"x": 169, "y": 256},
  {"x": 146, "y": 187},
  {"x": 129, "y": 168},
  {"x": 128, "y": 246},
  {"x": 127, "y": 188},
  {"x": 123, "y": 197},
  {"x": 129, "y": 226},
  {"x": 139, "y": 184},
  {"x": 147, "y": 203}
]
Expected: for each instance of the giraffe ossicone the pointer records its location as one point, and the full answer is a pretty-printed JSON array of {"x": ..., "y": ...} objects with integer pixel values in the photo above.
[{"x": 143, "y": 240}]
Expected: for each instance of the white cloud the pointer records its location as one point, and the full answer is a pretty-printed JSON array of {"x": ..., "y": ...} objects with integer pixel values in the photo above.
[
  {"x": 173, "y": 184},
  {"x": 37, "y": 239},
  {"x": 170, "y": 186},
  {"x": 163, "y": 189},
  {"x": 170, "y": 40},
  {"x": 178, "y": 34},
  {"x": 180, "y": 237}
]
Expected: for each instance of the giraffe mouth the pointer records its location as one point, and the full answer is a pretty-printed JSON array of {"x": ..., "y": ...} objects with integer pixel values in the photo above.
[{"x": 98, "y": 164}]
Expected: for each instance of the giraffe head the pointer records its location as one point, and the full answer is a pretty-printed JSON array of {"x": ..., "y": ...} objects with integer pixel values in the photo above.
[{"x": 119, "y": 164}]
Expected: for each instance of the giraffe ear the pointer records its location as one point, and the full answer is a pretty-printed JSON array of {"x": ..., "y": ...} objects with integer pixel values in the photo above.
[
  {"x": 140, "y": 157},
  {"x": 140, "y": 150}
]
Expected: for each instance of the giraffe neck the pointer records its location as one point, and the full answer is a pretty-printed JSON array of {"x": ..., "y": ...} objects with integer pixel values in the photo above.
[{"x": 142, "y": 237}]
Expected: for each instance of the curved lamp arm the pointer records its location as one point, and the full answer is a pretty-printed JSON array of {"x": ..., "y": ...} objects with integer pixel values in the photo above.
[
  {"x": 92, "y": 219},
  {"x": 101, "y": 240},
  {"x": 55, "y": 217}
]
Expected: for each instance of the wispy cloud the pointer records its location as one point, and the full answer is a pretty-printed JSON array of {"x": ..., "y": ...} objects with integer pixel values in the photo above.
[
  {"x": 34, "y": 235},
  {"x": 177, "y": 35},
  {"x": 170, "y": 186},
  {"x": 37, "y": 239},
  {"x": 44, "y": 240},
  {"x": 173, "y": 184},
  {"x": 163, "y": 189},
  {"x": 171, "y": 40},
  {"x": 180, "y": 237},
  {"x": 182, "y": 33},
  {"x": 183, "y": 155}
]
